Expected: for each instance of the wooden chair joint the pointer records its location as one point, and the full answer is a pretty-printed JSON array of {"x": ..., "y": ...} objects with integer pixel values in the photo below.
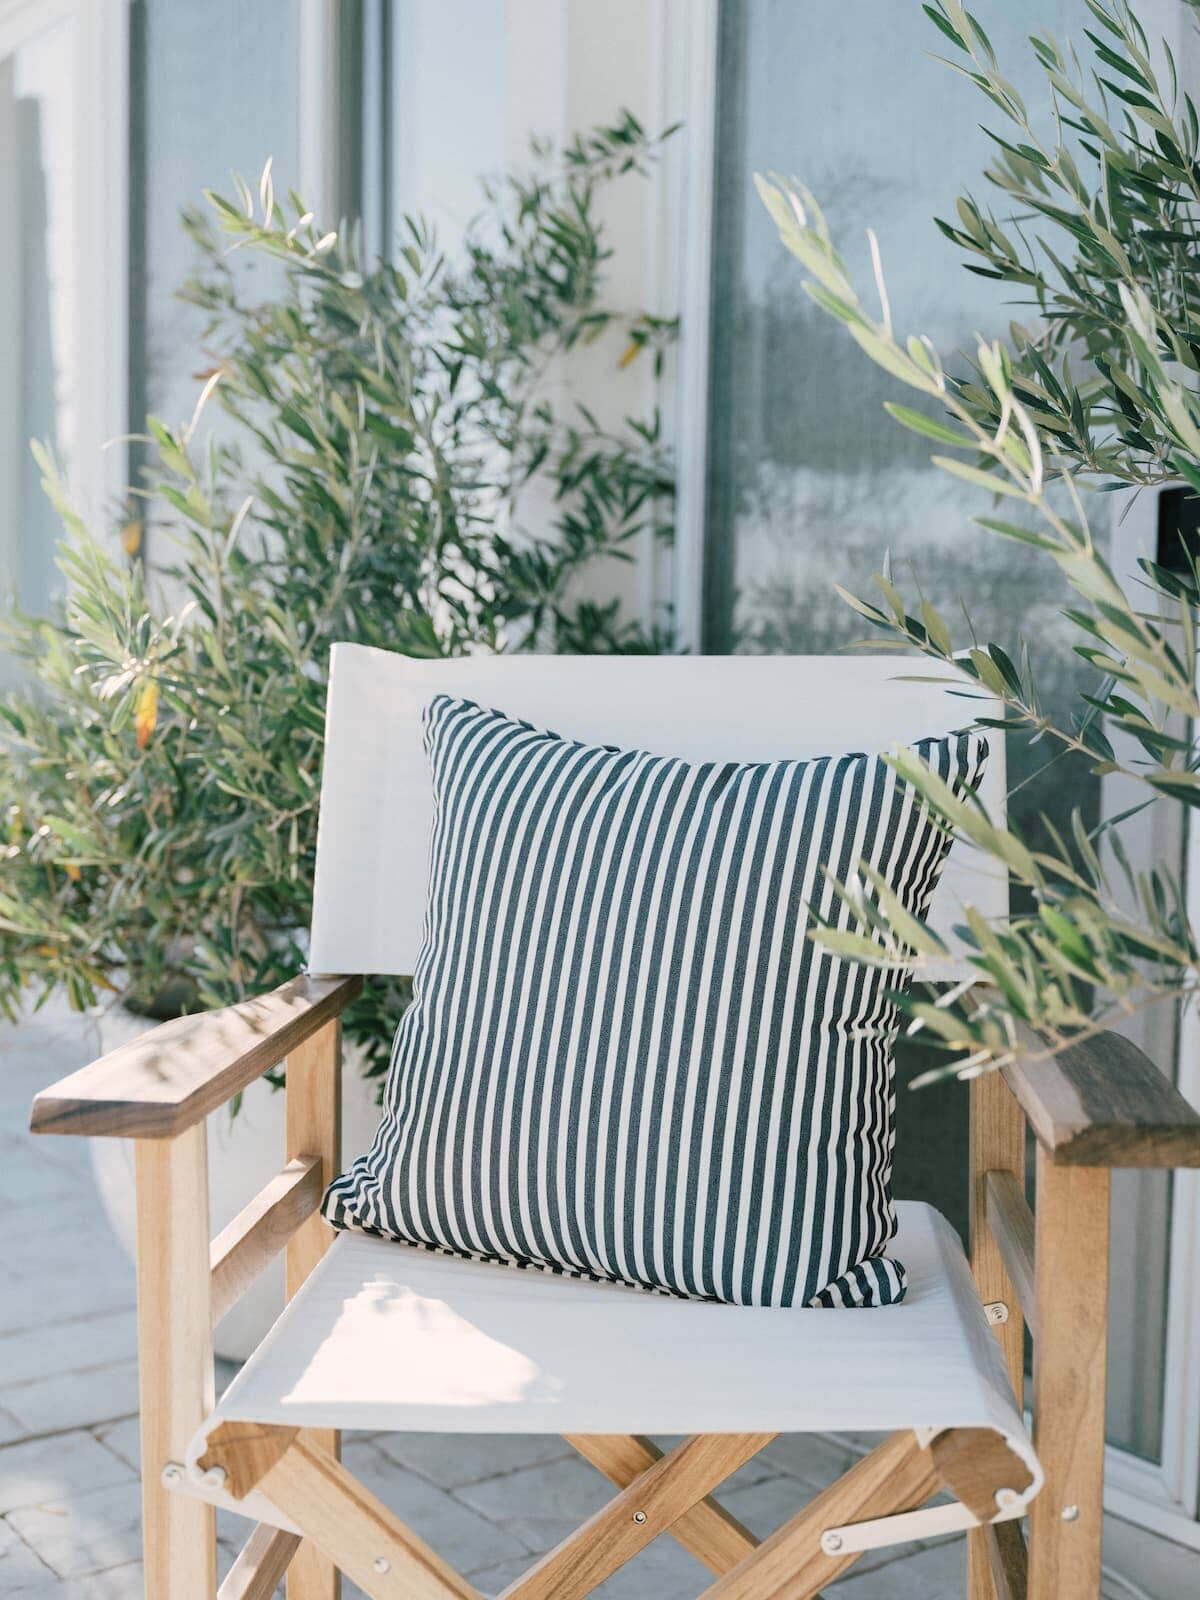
[
  {"x": 707, "y": 1531},
  {"x": 653, "y": 1502},
  {"x": 980, "y": 1469},
  {"x": 988, "y": 1480},
  {"x": 243, "y": 1452}
]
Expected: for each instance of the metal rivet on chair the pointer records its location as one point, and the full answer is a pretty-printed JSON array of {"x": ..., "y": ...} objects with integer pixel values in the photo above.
[
  {"x": 831, "y": 1543},
  {"x": 1006, "y": 1498},
  {"x": 172, "y": 1475},
  {"x": 214, "y": 1478},
  {"x": 1070, "y": 1513},
  {"x": 639, "y": 1516},
  {"x": 382, "y": 1564}
]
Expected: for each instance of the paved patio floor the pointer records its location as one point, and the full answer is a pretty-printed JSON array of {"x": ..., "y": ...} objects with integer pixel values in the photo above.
[{"x": 69, "y": 1508}]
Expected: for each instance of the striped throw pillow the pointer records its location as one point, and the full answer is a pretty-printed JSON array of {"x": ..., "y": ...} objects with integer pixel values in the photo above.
[{"x": 624, "y": 1059}]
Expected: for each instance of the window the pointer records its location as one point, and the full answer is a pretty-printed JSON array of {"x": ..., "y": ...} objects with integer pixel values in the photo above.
[{"x": 809, "y": 482}]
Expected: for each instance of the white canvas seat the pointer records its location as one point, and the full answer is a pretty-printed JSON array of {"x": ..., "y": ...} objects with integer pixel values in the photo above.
[
  {"x": 386, "y": 1336},
  {"x": 389, "y": 1337}
]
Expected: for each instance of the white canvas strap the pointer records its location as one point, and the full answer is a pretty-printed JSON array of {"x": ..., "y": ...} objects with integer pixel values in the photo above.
[{"x": 927, "y": 1523}]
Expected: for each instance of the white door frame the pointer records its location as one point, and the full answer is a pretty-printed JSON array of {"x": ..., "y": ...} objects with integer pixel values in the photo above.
[
  {"x": 1162, "y": 1496},
  {"x": 319, "y": 109},
  {"x": 98, "y": 472},
  {"x": 692, "y": 34}
]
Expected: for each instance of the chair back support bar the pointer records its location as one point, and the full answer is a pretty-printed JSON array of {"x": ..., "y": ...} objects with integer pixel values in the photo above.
[
  {"x": 1003, "y": 1546},
  {"x": 996, "y": 1145}
]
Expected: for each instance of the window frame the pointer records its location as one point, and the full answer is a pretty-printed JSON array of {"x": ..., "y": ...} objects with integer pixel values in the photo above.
[{"x": 690, "y": 35}]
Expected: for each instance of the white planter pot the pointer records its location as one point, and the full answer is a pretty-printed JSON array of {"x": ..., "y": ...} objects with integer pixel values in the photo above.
[{"x": 243, "y": 1153}]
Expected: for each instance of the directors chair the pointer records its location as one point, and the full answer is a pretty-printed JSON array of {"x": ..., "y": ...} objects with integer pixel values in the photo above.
[{"x": 377, "y": 1335}]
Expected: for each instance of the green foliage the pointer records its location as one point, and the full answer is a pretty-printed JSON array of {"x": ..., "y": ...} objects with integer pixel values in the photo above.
[
  {"x": 386, "y": 429},
  {"x": 1116, "y": 180},
  {"x": 1098, "y": 390}
]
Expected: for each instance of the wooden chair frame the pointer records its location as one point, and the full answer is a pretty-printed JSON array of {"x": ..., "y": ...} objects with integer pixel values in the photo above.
[{"x": 1100, "y": 1105}]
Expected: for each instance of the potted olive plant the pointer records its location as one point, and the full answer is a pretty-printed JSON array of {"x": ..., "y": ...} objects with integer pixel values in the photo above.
[{"x": 366, "y": 437}]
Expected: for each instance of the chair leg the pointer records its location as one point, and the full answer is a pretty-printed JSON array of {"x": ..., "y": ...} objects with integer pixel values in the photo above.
[
  {"x": 341, "y": 1518},
  {"x": 981, "y": 1585},
  {"x": 175, "y": 1358},
  {"x": 314, "y": 1109},
  {"x": 1069, "y": 1370},
  {"x": 1008, "y": 1563}
]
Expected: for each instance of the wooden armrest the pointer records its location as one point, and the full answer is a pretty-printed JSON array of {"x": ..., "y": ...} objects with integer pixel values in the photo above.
[
  {"x": 168, "y": 1079},
  {"x": 1103, "y": 1103}
]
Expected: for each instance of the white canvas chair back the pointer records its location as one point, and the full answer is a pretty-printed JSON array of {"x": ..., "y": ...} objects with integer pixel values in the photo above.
[{"x": 376, "y": 796}]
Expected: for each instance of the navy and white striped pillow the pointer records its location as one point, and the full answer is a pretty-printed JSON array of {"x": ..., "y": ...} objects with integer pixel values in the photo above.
[{"x": 623, "y": 1057}]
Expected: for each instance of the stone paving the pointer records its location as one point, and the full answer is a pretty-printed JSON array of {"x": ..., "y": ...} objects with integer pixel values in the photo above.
[{"x": 69, "y": 1510}]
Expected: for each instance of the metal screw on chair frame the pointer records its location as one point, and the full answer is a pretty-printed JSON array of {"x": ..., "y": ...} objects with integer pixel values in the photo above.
[
  {"x": 1070, "y": 1513},
  {"x": 382, "y": 1564},
  {"x": 1006, "y": 1498},
  {"x": 831, "y": 1543},
  {"x": 639, "y": 1516},
  {"x": 996, "y": 1312},
  {"x": 172, "y": 1475},
  {"x": 214, "y": 1478}
]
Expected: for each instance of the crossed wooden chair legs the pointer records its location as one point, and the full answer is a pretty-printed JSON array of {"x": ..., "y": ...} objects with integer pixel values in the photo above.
[{"x": 657, "y": 1494}]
